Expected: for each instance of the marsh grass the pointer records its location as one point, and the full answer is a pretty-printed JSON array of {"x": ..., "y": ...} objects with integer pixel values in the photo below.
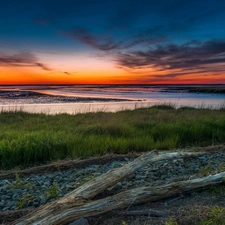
[
  {"x": 215, "y": 217},
  {"x": 24, "y": 200},
  {"x": 52, "y": 192},
  {"x": 33, "y": 139}
]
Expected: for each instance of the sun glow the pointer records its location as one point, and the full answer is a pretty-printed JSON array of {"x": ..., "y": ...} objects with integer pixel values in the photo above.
[{"x": 97, "y": 71}]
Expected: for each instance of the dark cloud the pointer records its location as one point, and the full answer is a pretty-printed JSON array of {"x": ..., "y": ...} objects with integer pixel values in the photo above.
[
  {"x": 98, "y": 42},
  {"x": 43, "y": 66},
  {"x": 107, "y": 43},
  {"x": 67, "y": 73},
  {"x": 70, "y": 74},
  {"x": 64, "y": 72},
  {"x": 191, "y": 55},
  {"x": 22, "y": 59},
  {"x": 145, "y": 37}
]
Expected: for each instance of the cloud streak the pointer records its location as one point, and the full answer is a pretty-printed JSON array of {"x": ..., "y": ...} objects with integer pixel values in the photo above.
[
  {"x": 188, "y": 56},
  {"x": 22, "y": 59},
  {"x": 100, "y": 43},
  {"x": 106, "y": 43}
]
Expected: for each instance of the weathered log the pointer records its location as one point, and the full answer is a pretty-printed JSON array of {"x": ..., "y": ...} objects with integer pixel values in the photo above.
[
  {"x": 125, "y": 199},
  {"x": 146, "y": 212},
  {"x": 81, "y": 195}
]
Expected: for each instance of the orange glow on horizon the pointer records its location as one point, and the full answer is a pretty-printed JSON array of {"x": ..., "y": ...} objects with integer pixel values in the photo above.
[{"x": 104, "y": 75}]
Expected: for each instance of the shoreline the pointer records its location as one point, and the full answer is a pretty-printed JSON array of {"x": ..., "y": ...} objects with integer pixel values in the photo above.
[
  {"x": 34, "y": 97},
  {"x": 76, "y": 107},
  {"x": 73, "y": 108}
]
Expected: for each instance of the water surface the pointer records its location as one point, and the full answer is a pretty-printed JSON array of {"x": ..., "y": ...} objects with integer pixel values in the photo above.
[{"x": 89, "y": 98}]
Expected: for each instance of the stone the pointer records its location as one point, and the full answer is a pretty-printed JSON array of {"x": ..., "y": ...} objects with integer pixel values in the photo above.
[
  {"x": 81, "y": 221},
  {"x": 15, "y": 196},
  {"x": 11, "y": 204},
  {"x": 5, "y": 208},
  {"x": 126, "y": 159},
  {"x": 5, "y": 197},
  {"x": 2, "y": 182},
  {"x": 35, "y": 204},
  {"x": 115, "y": 164},
  {"x": 17, "y": 191},
  {"x": 140, "y": 177},
  {"x": 202, "y": 157},
  {"x": 4, "y": 188},
  {"x": 43, "y": 201}
]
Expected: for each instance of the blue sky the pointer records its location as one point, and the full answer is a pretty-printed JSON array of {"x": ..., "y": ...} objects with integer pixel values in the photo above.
[{"x": 133, "y": 35}]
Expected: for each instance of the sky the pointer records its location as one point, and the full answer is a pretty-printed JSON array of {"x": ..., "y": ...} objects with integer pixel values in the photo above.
[{"x": 112, "y": 42}]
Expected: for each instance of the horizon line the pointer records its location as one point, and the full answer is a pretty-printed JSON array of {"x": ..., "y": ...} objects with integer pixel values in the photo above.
[{"x": 108, "y": 84}]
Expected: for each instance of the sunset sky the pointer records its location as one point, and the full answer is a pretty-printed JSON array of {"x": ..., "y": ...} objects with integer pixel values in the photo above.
[{"x": 112, "y": 42}]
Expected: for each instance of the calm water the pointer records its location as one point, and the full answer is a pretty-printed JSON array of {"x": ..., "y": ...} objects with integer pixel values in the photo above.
[{"x": 142, "y": 96}]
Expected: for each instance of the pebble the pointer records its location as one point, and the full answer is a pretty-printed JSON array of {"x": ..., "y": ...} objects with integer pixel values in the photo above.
[
  {"x": 81, "y": 221},
  {"x": 36, "y": 189}
]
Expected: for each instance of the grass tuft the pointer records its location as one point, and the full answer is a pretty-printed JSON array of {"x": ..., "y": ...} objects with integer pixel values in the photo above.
[{"x": 215, "y": 217}]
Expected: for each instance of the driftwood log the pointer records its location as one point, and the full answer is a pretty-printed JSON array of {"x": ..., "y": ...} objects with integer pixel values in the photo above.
[
  {"x": 125, "y": 199},
  {"x": 78, "y": 203}
]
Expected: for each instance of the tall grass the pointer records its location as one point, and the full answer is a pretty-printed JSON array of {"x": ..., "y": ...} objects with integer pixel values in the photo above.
[{"x": 32, "y": 139}]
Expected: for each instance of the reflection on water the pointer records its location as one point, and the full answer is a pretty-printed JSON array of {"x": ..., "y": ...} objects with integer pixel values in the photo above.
[
  {"x": 142, "y": 96},
  {"x": 74, "y": 108}
]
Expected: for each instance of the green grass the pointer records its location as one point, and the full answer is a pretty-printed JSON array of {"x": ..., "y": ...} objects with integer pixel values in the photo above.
[
  {"x": 52, "y": 192},
  {"x": 215, "y": 217},
  {"x": 34, "y": 139}
]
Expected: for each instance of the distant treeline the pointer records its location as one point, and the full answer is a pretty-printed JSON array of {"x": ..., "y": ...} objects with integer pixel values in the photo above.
[{"x": 208, "y": 90}]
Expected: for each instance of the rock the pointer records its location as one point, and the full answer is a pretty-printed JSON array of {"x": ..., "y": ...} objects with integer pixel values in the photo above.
[
  {"x": 6, "y": 208},
  {"x": 15, "y": 196},
  {"x": 202, "y": 157},
  {"x": 118, "y": 185},
  {"x": 4, "y": 188},
  {"x": 35, "y": 204},
  {"x": 17, "y": 191},
  {"x": 115, "y": 164},
  {"x": 11, "y": 204},
  {"x": 5, "y": 197},
  {"x": 140, "y": 177},
  {"x": 2, "y": 182},
  {"x": 43, "y": 201},
  {"x": 126, "y": 159},
  {"x": 81, "y": 221}
]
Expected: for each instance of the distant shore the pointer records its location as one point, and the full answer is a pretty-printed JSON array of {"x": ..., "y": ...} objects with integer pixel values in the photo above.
[
  {"x": 30, "y": 97},
  {"x": 212, "y": 89}
]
